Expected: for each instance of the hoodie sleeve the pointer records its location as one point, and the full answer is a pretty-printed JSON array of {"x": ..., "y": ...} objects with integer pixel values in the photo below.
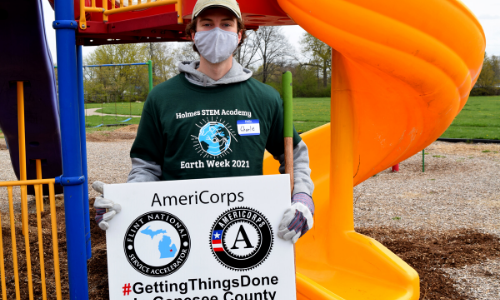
[
  {"x": 149, "y": 143},
  {"x": 302, "y": 182},
  {"x": 144, "y": 171}
]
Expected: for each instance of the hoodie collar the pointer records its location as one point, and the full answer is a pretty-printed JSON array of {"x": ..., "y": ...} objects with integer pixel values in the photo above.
[{"x": 236, "y": 74}]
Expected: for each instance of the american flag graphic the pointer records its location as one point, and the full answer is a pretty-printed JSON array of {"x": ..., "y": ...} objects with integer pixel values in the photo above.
[{"x": 216, "y": 240}]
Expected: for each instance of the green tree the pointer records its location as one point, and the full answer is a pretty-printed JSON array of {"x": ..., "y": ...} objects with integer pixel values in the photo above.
[
  {"x": 305, "y": 82},
  {"x": 318, "y": 55},
  {"x": 120, "y": 81},
  {"x": 246, "y": 54},
  {"x": 186, "y": 53},
  {"x": 495, "y": 65},
  {"x": 273, "y": 51},
  {"x": 490, "y": 74},
  {"x": 124, "y": 83},
  {"x": 164, "y": 63}
]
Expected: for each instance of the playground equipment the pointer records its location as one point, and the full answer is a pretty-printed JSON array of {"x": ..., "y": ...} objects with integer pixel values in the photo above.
[
  {"x": 149, "y": 63},
  {"x": 110, "y": 98},
  {"x": 19, "y": 63},
  {"x": 29, "y": 118},
  {"x": 400, "y": 75}
]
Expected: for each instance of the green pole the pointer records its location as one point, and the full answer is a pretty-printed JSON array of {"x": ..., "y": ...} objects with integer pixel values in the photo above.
[
  {"x": 288, "y": 124},
  {"x": 85, "y": 102},
  {"x": 150, "y": 72},
  {"x": 287, "y": 104},
  {"x": 423, "y": 160},
  {"x": 102, "y": 110}
]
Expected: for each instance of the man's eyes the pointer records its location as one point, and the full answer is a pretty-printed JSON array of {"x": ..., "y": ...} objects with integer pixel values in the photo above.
[{"x": 222, "y": 25}]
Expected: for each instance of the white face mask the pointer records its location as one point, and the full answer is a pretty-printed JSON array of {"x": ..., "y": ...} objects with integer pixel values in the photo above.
[{"x": 216, "y": 45}]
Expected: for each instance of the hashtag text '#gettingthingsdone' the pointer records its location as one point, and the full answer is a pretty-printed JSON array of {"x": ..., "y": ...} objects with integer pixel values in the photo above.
[{"x": 198, "y": 284}]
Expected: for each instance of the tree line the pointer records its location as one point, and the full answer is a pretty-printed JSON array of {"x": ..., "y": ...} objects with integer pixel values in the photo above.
[
  {"x": 266, "y": 52},
  {"x": 488, "y": 83}
]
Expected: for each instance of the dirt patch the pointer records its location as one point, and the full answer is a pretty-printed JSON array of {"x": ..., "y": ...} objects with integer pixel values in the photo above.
[
  {"x": 98, "y": 264},
  {"x": 130, "y": 128},
  {"x": 122, "y": 133},
  {"x": 479, "y": 149},
  {"x": 439, "y": 165},
  {"x": 110, "y": 136},
  {"x": 3, "y": 145},
  {"x": 428, "y": 252}
]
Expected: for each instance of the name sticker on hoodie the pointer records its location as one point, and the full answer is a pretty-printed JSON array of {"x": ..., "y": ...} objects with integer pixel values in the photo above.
[{"x": 248, "y": 127}]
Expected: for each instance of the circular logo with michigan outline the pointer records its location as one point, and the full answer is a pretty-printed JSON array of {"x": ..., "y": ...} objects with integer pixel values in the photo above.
[
  {"x": 241, "y": 238},
  {"x": 157, "y": 244}
]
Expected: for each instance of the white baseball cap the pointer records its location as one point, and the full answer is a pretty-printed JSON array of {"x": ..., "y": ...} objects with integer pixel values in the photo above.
[{"x": 232, "y": 5}]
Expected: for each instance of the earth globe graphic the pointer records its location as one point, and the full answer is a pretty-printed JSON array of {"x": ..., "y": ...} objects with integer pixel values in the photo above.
[{"x": 214, "y": 138}]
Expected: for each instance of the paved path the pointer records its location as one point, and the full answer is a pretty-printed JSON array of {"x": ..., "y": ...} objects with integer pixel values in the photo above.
[{"x": 92, "y": 112}]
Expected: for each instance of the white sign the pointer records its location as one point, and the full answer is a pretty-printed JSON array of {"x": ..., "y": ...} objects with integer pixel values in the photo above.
[{"x": 204, "y": 239}]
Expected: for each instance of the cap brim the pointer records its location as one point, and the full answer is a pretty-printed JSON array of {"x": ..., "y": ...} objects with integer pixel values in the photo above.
[{"x": 214, "y": 6}]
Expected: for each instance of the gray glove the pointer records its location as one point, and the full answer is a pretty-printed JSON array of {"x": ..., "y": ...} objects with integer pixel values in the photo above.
[
  {"x": 105, "y": 209},
  {"x": 298, "y": 219}
]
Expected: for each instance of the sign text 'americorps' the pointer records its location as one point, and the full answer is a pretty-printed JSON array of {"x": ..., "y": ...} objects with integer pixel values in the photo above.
[
  {"x": 203, "y": 197},
  {"x": 165, "y": 287}
]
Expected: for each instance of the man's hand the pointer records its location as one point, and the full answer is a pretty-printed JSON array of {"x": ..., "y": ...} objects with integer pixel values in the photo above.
[
  {"x": 298, "y": 219},
  {"x": 105, "y": 209}
]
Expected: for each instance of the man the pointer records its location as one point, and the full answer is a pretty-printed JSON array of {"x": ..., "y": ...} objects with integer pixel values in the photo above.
[{"x": 189, "y": 123}]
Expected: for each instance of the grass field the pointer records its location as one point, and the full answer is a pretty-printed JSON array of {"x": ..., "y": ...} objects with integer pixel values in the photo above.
[
  {"x": 121, "y": 108},
  {"x": 92, "y": 121},
  {"x": 479, "y": 119},
  {"x": 309, "y": 113}
]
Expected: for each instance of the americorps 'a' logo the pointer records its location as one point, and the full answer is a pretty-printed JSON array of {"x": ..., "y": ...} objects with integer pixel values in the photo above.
[
  {"x": 214, "y": 138},
  {"x": 157, "y": 244},
  {"x": 241, "y": 238}
]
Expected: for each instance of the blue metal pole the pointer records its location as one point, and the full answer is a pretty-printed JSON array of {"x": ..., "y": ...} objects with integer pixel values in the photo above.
[
  {"x": 79, "y": 69},
  {"x": 65, "y": 26}
]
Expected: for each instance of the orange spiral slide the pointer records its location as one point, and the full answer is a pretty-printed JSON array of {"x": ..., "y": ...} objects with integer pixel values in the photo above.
[{"x": 401, "y": 72}]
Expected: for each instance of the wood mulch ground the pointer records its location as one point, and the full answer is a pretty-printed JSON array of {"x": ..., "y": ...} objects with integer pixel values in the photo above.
[
  {"x": 428, "y": 252},
  {"x": 444, "y": 222}
]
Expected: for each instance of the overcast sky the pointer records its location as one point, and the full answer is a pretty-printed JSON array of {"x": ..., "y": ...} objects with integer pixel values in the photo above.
[{"x": 487, "y": 11}]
